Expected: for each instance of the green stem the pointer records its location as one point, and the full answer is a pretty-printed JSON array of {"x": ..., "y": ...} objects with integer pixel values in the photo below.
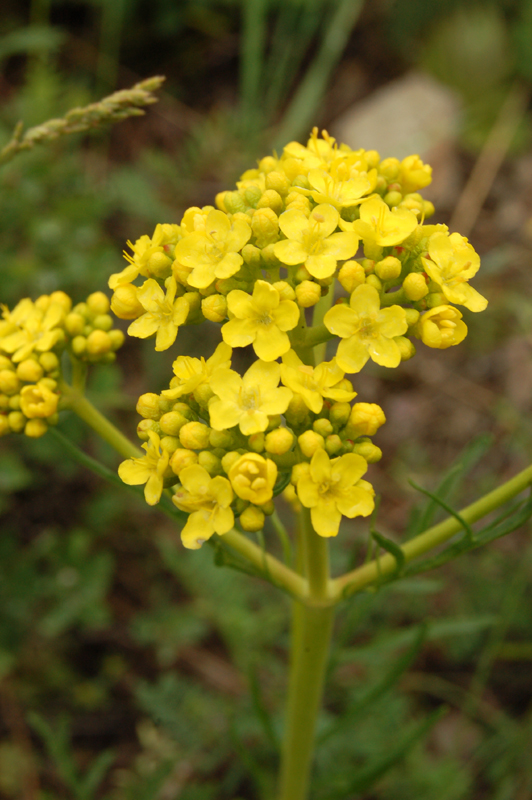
[
  {"x": 317, "y": 336},
  {"x": 269, "y": 566},
  {"x": 89, "y": 414},
  {"x": 320, "y": 309},
  {"x": 315, "y": 559},
  {"x": 392, "y": 298},
  {"x": 311, "y": 636},
  {"x": 369, "y": 573}
]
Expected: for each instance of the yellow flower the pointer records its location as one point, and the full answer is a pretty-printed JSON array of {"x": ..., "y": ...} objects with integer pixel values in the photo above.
[
  {"x": 311, "y": 241},
  {"x": 163, "y": 314},
  {"x": 441, "y": 327},
  {"x": 316, "y": 155},
  {"x": 151, "y": 256},
  {"x": 261, "y": 320},
  {"x": 208, "y": 503},
  {"x": 253, "y": 478},
  {"x": 414, "y": 174},
  {"x": 452, "y": 262},
  {"x": 193, "y": 372},
  {"x": 313, "y": 384},
  {"x": 38, "y": 401},
  {"x": 332, "y": 488},
  {"x": 340, "y": 187},
  {"x": 248, "y": 401},
  {"x": 367, "y": 331},
  {"x": 194, "y": 219},
  {"x": 36, "y": 329},
  {"x": 380, "y": 226},
  {"x": 149, "y": 469},
  {"x": 213, "y": 252}
]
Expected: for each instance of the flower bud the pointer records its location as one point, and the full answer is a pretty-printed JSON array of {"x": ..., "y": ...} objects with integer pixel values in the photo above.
[
  {"x": 298, "y": 470},
  {"x": 333, "y": 444},
  {"x": 428, "y": 209},
  {"x": 406, "y": 347},
  {"x": 98, "y": 303},
  {"x": 412, "y": 316},
  {"x": 170, "y": 444},
  {"x": 265, "y": 226},
  {"x": 4, "y": 402},
  {"x": 369, "y": 266},
  {"x": 14, "y": 402},
  {"x": 203, "y": 394},
  {"x": 271, "y": 199},
  {"x": 251, "y": 255},
  {"x": 256, "y": 442},
  {"x": 374, "y": 281},
  {"x": 214, "y": 307},
  {"x": 35, "y": 428},
  {"x": 351, "y": 275},
  {"x": 234, "y": 202},
  {"x": 414, "y": 174},
  {"x": 253, "y": 478},
  {"x": 194, "y": 435},
  {"x": 49, "y": 361},
  {"x": 435, "y": 299},
  {"x": 98, "y": 343},
  {"x": 210, "y": 462},
  {"x": 146, "y": 425},
  {"x": 388, "y": 269},
  {"x": 219, "y": 201},
  {"x": 148, "y": 406},
  {"x": 74, "y": 324},
  {"x": 286, "y": 292},
  {"x": 441, "y": 327},
  {"x": 9, "y": 382},
  {"x": 267, "y": 164},
  {"x": 268, "y": 258},
  {"x": 182, "y": 458},
  {"x": 307, "y": 294},
  {"x": 339, "y": 413},
  {"x": 222, "y": 439},
  {"x": 323, "y": 426},
  {"x": 78, "y": 345},
  {"x": 61, "y": 299},
  {"x": 252, "y": 519},
  {"x": 38, "y": 401},
  {"x": 297, "y": 411},
  {"x": 103, "y": 322},
  {"x": 172, "y": 422},
  {"x": 393, "y": 199},
  {"x": 17, "y": 421},
  {"x": 415, "y": 286},
  {"x": 389, "y": 168},
  {"x": 184, "y": 409},
  {"x": 368, "y": 450},
  {"x": 279, "y": 441},
  {"x": 229, "y": 459},
  {"x": 117, "y": 338},
  {"x": 365, "y": 420},
  {"x": 298, "y": 201},
  {"x": 309, "y": 442}
]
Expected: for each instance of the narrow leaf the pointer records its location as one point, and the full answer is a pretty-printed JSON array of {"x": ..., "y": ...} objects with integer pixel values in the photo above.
[
  {"x": 465, "y": 525},
  {"x": 394, "y": 550}
]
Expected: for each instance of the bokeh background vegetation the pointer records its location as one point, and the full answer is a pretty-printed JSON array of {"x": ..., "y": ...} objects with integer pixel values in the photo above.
[{"x": 132, "y": 670}]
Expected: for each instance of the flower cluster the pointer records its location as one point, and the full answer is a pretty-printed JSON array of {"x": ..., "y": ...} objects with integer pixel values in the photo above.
[
  {"x": 32, "y": 338},
  {"x": 321, "y": 214}
]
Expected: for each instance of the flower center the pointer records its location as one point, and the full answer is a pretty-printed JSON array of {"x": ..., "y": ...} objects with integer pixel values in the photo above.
[{"x": 250, "y": 398}]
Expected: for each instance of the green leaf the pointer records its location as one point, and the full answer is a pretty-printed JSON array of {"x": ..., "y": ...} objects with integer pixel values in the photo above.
[
  {"x": 394, "y": 550},
  {"x": 370, "y": 774},
  {"x": 465, "y": 525},
  {"x": 378, "y": 690}
]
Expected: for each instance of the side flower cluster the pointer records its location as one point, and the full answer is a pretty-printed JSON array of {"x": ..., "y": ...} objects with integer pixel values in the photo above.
[
  {"x": 32, "y": 338},
  {"x": 295, "y": 227}
]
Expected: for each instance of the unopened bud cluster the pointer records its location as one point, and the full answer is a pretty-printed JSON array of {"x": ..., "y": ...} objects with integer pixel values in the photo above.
[{"x": 32, "y": 338}]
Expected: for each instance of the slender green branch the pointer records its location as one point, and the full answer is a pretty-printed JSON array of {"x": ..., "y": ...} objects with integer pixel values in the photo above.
[
  {"x": 283, "y": 537},
  {"x": 320, "y": 309},
  {"x": 317, "y": 335},
  {"x": 268, "y": 565},
  {"x": 372, "y": 572},
  {"x": 393, "y": 298},
  {"x": 81, "y": 406}
]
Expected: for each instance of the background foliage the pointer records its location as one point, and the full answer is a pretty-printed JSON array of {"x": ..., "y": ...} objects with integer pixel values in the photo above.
[{"x": 131, "y": 671}]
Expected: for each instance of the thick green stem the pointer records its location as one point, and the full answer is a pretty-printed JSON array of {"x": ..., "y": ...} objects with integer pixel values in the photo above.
[
  {"x": 320, "y": 309},
  {"x": 310, "y": 651},
  {"x": 311, "y": 636},
  {"x": 359, "y": 578}
]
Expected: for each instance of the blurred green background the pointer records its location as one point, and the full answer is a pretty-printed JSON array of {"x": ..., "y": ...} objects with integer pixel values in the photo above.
[{"x": 133, "y": 670}]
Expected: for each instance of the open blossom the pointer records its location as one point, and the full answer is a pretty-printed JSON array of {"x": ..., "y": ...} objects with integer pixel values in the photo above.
[
  {"x": 380, "y": 226},
  {"x": 453, "y": 261},
  {"x": 190, "y": 373},
  {"x": 151, "y": 256},
  {"x": 164, "y": 314},
  {"x": 314, "y": 383},
  {"x": 261, "y": 319},
  {"x": 149, "y": 469},
  {"x": 334, "y": 487},
  {"x": 30, "y": 328},
  {"x": 213, "y": 252},
  {"x": 248, "y": 401},
  {"x": 367, "y": 331},
  {"x": 441, "y": 327},
  {"x": 311, "y": 240},
  {"x": 208, "y": 503},
  {"x": 341, "y": 187}
]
